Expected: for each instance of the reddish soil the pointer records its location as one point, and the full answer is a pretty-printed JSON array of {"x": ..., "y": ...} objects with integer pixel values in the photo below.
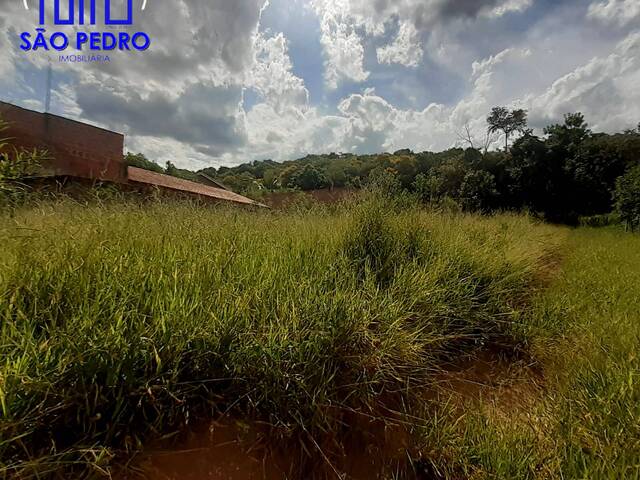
[
  {"x": 225, "y": 450},
  {"x": 495, "y": 376},
  {"x": 230, "y": 450},
  {"x": 368, "y": 446}
]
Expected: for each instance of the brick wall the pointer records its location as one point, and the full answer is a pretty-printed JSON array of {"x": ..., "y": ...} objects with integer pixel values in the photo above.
[{"x": 77, "y": 149}]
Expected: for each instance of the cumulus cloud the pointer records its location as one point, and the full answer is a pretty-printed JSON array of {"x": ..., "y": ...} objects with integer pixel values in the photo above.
[
  {"x": 405, "y": 50},
  {"x": 606, "y": 90},
  {"x": 615, "y": 12},
  {"x": 341, "y": 42},
  {"x": 345, "y": 24},
  {"x": 272, "y": 76},
  {"x": 219, "y": 88},
  {"x": 509, "y": 6},
  {"x": 187, "y": 87}
]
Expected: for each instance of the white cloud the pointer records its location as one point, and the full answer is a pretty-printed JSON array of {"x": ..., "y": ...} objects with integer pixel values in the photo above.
[
  {"x": 606, "y": 90},
  {"x": 272, "y": 75},
  {"x": 405, "y": 50},
  {"x": 508, "y": 6},
  {"x": 186, "y": 88},
  {"x": 615, "y": 12},
  {"x": 187, "y": 104},
  {"x": 341, "y": 42}
]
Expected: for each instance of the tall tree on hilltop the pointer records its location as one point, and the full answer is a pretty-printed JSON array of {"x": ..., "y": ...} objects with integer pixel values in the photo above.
[
  {"x": 507, "y": 122},
  {"x": 569, "y": 135}
]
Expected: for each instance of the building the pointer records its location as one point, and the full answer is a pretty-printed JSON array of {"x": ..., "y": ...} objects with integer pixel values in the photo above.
[{"x": 81, "y": 151}]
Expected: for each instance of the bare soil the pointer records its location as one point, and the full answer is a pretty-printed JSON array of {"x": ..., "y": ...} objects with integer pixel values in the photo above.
[{"x": 370, "y": 445}]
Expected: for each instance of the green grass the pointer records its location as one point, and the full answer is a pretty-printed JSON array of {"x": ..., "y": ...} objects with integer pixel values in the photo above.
[
  {"x": 120, "y": 323},
  {"x": 586, "y": 329}
]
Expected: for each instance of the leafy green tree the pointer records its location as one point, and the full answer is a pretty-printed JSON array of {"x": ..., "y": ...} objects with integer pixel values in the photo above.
[
  {"x": 427, "y": 187},
  {"x": 171, "y": 169},
  {"x": 508, "y": 122},
  {"x": 540, "y": 181},
  {"x": 404, "y": 151},
  {"x": 569, "y": 135},
  {"x": 627, "y": 198},
  {"x": 448, "y": 177},
  {"x": 271, "y": 178},
  {"x": 478, "y": 191},
  {"x": 336, "y": 173},
  {"x": 594, "y": 167},
  {"x": 309, "y": 177},
  {"x": 241, "y": 182},
  {"x": 287, "y": 174},
  {"x": 209, "y": 171},
  {"x": 384, "y": 181},
  {"x": 406, "y": 167},
  {"x": 141, "y": 161},
  {"x": 185, "y": 174}
]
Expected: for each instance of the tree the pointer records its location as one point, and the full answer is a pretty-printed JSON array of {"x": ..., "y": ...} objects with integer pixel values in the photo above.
[
  {"x": 309, "y": 177},
  {"x": 285, "y": 179},
  {"x": 336, "y": 173},
  {"x": 449, "y": 176},
  {"x": 594, "y": 166},
  {"x": 140, "y": 161},
  {"x": 406, "y": 168},
  {"x": 569, "y": 135},
  {"x": 384, "y": 181},
  {"x": 540, "y": 181},
  {"x": 507, "y": 122},
  {"x": 627, "y": 197},
  {"x": 270, "y": 178},
  {"x": 482, "y": 145},
  {"x": 478, "y": 191},
  {"x": 427, "y": 187},
  {"x": 171, "y": 169},
  {"x": 185, "y": 174}
]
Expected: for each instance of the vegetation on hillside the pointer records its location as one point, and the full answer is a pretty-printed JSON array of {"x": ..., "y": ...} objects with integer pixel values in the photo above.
[{"x": 568, "y": 173}]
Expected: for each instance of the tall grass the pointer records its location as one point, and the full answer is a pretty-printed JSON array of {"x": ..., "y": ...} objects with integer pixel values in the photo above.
[
  {"x": 586, "y": 329},
  {"x": 122, "y": 322}
]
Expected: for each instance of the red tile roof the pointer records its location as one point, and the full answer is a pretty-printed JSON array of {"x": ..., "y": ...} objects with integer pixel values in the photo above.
[{"x": 140, "y": 175}]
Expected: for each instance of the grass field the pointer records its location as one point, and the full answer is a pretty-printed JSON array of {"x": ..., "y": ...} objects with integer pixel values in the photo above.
[{"x": 122, "y": 322}]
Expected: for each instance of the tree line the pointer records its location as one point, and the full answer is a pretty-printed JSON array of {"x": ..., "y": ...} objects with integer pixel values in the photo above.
[{"x": 567, "y": 173}]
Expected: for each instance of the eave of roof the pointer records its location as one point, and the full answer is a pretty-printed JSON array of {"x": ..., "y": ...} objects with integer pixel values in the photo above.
[
  {"x": 148, "y": 177},
  {"x": 212, "y": 182}
]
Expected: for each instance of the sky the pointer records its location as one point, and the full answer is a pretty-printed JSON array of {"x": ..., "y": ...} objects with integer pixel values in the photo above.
[{"x": 226, "y": 82}]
